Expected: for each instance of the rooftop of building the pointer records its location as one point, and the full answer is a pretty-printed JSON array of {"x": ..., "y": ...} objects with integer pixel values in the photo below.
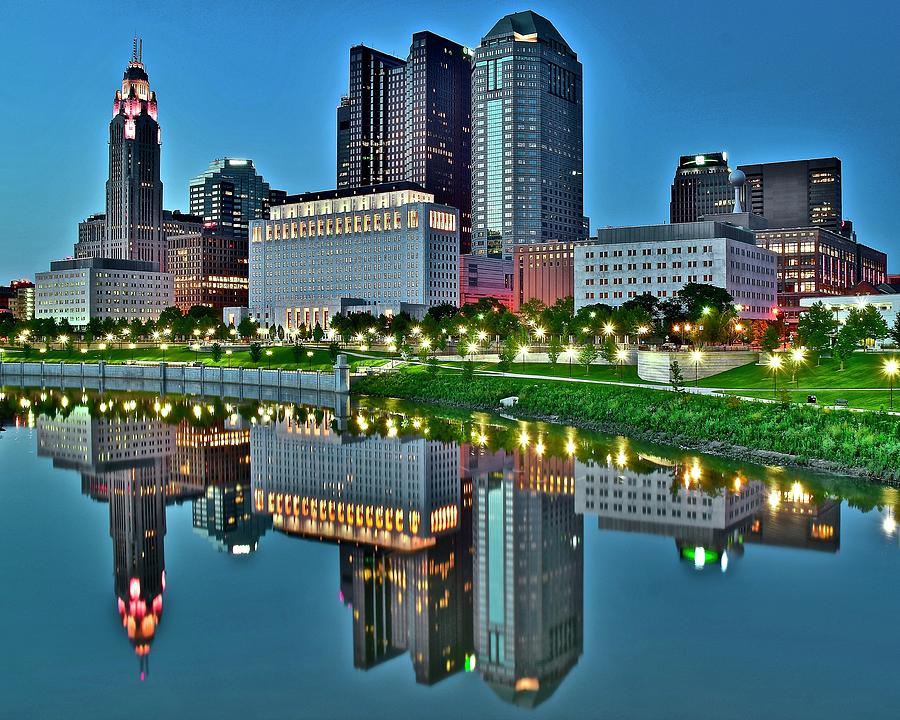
[
  {"x": 526, "y": 26},
  {"x": 822, "y": 162},
  {"x": 97, "y": 263},
  {"x": 701, "y": 230},
  {"x": 353, "y": 192}
]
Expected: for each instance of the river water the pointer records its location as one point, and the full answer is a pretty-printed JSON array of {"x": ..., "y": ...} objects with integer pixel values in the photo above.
[{"x": 187, "y": 557}]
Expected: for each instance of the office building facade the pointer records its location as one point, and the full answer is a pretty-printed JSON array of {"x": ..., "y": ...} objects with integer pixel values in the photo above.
[
  {"x": 387, "y": 248},
  {"x": 623, "y": 263},
  {"x": 78, "y": 290},
  {"x": 229, "y": 194},
  {"x": 543, "y": 271},
  {"x": 796, "y": 194},
  {"x": 527, "y": 137},
  {"x": 484, "y": 277},
  {"x": 208, "y": 269},
  {"x": 700, "y": 187},
  {"x": 410, "y": 120},
  {"x": 815, "y": 262}
]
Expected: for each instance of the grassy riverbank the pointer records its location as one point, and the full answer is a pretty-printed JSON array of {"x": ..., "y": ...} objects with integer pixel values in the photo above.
[{"x": 855, "y": 441}]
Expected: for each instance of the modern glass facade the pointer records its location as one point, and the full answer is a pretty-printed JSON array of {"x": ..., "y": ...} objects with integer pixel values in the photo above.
[
  {"x": 229, "y": 194},
  {"x": 527, "y": 137},
  {"x": 701, "y": 187}
]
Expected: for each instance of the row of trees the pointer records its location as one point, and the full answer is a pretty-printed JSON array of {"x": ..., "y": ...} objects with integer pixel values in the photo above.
[{"x": 820, "y": 331}]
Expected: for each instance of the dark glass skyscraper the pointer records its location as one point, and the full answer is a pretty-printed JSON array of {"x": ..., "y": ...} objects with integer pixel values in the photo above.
[
  {"x": 134, "y": 191},
  {"x": 229, "y": 194},
  {"x": 701, "y": 188},
  {"x": 377, "y": 86},
  {"x": 410, "y": 120},
  {"x": 796, "y": 194},
  {"x": 527, "y": 137}
]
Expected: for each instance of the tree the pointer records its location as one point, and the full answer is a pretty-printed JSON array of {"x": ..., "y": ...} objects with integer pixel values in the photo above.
[
  {"x": 697, "y": 297},
  {"x": 531, "y": 311},
  {"x": 333, "y": 350},
  {"x": 280, "y": 332},
  {"x": 216, "y": 351},
  {"x": 872, "y": 324},
  {"x": 554, "y": 349},
  {"x": 588, "y": 354},
  {"x": 318, "y": 333},
  {"x": 608, "y": 351},
  {"x": 255, "y": 352},
  {"x": 246, "y": 328},
  {"x": 845, "y": 344},
  {"x": 815, "y": 328},
  {"x": 895, "y": 331},
  {"x": 297, "y": 350},
  {"x": 676, "y": 377},
  {"x": 508, "y": 351},
  {"x": 770, "y": 340}
]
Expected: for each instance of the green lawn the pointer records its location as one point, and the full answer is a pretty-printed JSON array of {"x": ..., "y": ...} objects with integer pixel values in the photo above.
[
  {"x": 862, "y": 370},
  {"x": 282, "y": 357},
  {"x": 858, "y": 399}
]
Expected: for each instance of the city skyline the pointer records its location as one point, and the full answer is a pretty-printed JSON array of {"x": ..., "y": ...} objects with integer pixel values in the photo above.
[{"x": 626, "y": 83}]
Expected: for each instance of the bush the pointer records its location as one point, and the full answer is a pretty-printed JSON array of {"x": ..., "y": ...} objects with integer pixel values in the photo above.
[{"x": 255, "y": 352}]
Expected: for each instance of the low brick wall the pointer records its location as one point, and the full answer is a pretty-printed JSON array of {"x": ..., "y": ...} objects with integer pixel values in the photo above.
[{"x": 654, "y": 366}]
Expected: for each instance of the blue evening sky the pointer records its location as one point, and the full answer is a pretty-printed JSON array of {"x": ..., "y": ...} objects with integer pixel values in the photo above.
[{"x": 765, "y": 81}]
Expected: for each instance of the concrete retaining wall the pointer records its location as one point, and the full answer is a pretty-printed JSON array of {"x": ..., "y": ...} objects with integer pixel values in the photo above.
[
  {"x": 654, "y": 366},
  {"x": 164, "y": 375}
]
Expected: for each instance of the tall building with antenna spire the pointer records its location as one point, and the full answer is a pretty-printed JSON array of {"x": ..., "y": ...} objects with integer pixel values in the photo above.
[{"x": 134, "y": 191}]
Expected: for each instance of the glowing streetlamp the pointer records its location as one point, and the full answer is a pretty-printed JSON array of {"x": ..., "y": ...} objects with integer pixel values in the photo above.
[
  {"x": 696, "y": 357},
  {"x": 228, "y": 355},
  {"x": 164, "y": 347},
  {"x": 309, "y": 357},
  {"x": 570, "y": 354},
  {"x": 482, "y": 336},
  {"x": 131, "y": 347},
  {"x": 609, "y": 329},
  {"x": 524, "y": 350},
  {"x": 472, "y": 348},
  {"x": 196, "y": 348},
  {"x": 775, "y": 362},
  {"x": 798, "y": 355},
  {"x": 269, "y": 358},
  {"x": 621, "y": 357},
  {"x": 540, "y": 333},
  {"x": 891, "y": 368}
]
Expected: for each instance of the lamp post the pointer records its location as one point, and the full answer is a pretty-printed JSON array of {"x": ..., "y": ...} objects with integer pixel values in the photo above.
[
  {"x": 696, "y": 356},
  {"x": 164, "y": 347},
  {"x": 891, "y": 368},
  {"x": 570, "y": 352},
  {"x": 524, "y": 350},
  {"x": 228, "y": 355},
  {"x": 797, "y": 357},
  {"x": 775, "y": 363},
  {"x": 309, "y": 357},
  {"x": 621, "y": 357},
  {"x": 196, "y": 348},
  {"x": 269, "y": 358},
  {"x": 131, "y": 347}
]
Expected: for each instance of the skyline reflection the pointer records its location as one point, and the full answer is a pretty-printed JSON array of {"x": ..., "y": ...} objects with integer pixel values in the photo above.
[{"x": 460, "y": 542}]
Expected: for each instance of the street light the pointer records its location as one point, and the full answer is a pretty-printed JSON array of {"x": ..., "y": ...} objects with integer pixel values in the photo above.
[
  {"x": 196, "y": 348},
  {"x": 269, "y": 357},
  {"x": 621, "y": 357},
  {"x": 775, "y": 363},
  {"x": 309, "y": 357},
  {"x": 228, "y": 355},
  {"x": 609, "y": 329},
  {"x": 570, "y": 353},
  {"x": 164, "y": 347},
  {"x": 132, "y": 346},
  {"x": 696, "y": 356},
  {"x": 797, "y": 357},
  {"x": 524, "y": 350},
  {"x": 539, "y": 333},
  {"x": 891, "y": 368}
]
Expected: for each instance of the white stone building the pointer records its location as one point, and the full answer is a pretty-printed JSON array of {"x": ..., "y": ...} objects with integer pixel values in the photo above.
[
  {"x": 81, "y": 289},
  {"x": 622, "y": 263},
  {"x": 888, "y": 305},
  {"x": 384, "y": 248}
]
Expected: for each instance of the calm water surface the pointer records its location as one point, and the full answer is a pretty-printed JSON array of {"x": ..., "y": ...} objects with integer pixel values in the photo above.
[{"x": 182, "y": 557}]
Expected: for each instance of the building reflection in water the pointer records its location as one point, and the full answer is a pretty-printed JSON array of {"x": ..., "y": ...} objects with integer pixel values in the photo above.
[
  {"x": 138, "y": 464},
  {"x": 709, "y": 522},
  {"x": 529, "y": 557},
  {"x": 465, "y": 556}
]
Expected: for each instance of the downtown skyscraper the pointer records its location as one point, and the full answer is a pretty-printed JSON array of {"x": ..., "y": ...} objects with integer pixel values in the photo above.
[
  {"x": 410, "y": 120},
  {"x": 527, "y": 137},
  {"x": 134, "y": 192},
  {"x": 231, "y": 193}
]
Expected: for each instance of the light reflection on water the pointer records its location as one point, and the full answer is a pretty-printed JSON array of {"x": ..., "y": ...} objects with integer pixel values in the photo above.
[{"x": 461, "y": 536}]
